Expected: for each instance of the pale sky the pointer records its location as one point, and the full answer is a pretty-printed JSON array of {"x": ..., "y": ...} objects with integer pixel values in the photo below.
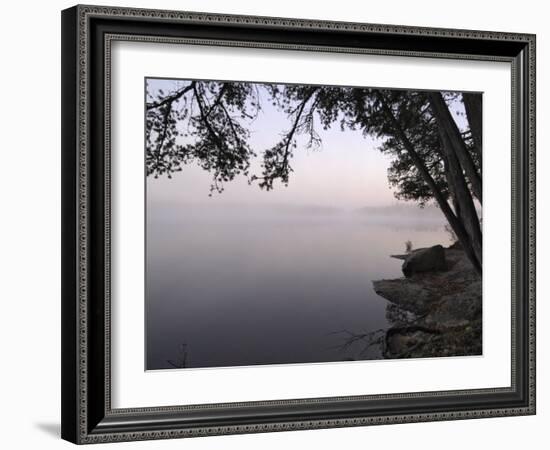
[{"x": 347, "y": 172}]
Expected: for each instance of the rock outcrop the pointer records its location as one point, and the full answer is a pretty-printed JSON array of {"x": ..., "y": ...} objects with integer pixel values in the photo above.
[{"x": 445, "y": 304}]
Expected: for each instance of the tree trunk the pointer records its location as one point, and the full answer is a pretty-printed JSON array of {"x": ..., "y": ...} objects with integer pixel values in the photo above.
[
  {"x": 446, "y": 122},
  {"x": 456, "y": 205},
  {"x": 459, "y": 190},
  {"x": 456, "y": 224},
  {"x": 472, "y": 106}
]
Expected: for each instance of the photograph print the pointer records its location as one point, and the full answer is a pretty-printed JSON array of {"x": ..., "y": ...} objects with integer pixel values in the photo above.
[{"x": 292, "y": 223}]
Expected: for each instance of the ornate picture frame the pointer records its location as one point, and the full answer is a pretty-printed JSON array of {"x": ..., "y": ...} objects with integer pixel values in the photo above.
[{"x": 88, "y": 415}]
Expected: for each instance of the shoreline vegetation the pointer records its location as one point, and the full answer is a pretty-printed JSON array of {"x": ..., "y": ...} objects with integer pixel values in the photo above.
[{"x": 436, "y": 309}]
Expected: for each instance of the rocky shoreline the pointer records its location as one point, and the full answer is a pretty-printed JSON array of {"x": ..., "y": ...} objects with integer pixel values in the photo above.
[{"x": 436, "y": 311}]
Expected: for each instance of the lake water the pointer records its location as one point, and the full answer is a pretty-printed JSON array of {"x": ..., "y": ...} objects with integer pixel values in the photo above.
[{"x": 245, "y": 286}]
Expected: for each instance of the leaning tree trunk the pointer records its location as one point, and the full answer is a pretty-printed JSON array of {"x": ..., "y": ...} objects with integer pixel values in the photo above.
[
  {"x": 446, "y": 122},
  {"x": 458, "y": 188},
  {"x": 452, "y": 193},
  {"x": 457, "y": 225},
  {"x": 472, "y": 106}
]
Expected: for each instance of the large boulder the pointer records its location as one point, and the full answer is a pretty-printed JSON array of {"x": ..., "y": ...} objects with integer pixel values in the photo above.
[{"x": 425, "y": 260}]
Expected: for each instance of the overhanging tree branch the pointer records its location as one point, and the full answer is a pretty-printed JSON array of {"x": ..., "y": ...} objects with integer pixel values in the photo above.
[
  {"x": 171, "y": 98},
  {"x": 276, "y": 160}
]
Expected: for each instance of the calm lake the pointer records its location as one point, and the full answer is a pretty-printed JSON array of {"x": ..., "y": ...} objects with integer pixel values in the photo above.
[{"x": 237, "y": 286}]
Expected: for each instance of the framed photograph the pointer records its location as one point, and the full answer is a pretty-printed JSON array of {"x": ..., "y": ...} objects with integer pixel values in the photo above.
[{"x": 278, "y": 224}]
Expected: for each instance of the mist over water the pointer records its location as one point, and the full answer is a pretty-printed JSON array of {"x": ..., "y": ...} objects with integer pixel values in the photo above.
[{"x": 237, "y": 285}]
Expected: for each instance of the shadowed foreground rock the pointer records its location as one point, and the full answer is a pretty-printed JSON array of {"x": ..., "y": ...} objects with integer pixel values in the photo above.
[{"x": 446, "y": 305}]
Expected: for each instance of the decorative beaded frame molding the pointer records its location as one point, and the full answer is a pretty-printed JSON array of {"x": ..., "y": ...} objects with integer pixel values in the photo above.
[{"x": 87, "y": 35}]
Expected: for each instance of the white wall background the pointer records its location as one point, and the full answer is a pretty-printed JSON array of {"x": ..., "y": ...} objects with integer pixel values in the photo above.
[{"x": 30, "y": 223}]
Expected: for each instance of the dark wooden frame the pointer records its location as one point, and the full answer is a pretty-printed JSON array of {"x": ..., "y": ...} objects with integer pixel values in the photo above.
[{"x": 87, "y": 32}]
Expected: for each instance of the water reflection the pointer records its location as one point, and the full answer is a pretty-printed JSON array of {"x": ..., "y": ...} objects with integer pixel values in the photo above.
[{"x": 241, "y": 289}]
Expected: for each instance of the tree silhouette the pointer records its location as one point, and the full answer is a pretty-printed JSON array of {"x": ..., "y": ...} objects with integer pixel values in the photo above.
[{"x": 208, "y": 123}]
